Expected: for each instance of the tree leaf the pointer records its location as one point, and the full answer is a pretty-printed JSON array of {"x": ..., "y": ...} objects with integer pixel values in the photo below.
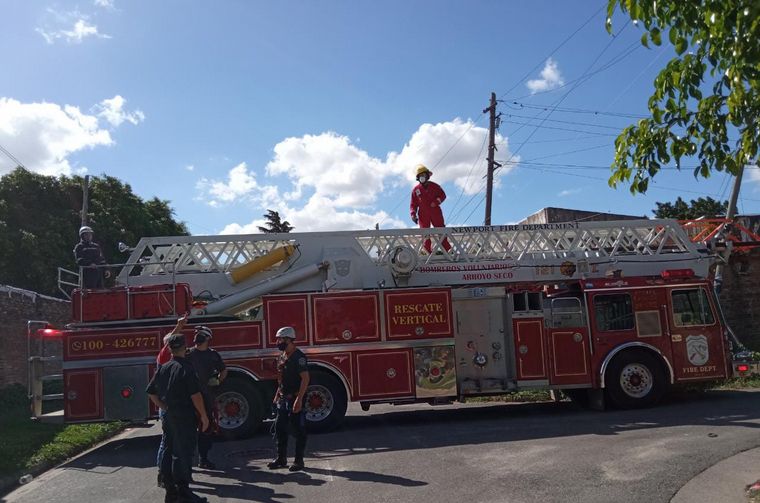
[{"x": 680, "y": 45}]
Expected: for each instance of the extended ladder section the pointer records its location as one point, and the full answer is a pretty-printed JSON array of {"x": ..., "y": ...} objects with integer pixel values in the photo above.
[{"x": 241, "y": 267}]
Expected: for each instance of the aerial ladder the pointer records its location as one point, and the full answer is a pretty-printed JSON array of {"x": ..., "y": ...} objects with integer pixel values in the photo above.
[{"x": 231, "y": 272}]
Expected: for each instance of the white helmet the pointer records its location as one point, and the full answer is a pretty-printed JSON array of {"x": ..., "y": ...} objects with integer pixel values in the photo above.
[
  {"x": 85, "y": 228},
  {"x": 286, "y": 333}
]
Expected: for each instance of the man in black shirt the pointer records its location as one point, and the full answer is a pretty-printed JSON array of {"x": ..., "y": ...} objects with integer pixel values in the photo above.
[
  {"x": 291, "y": 418},
  {"x": 174, "y": 388},
  {"x": 88, "y": 255},
  {"x": 211, "y": 372}
]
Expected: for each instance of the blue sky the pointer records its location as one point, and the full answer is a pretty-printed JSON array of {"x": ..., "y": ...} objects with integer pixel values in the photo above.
[{"x": 321, "y": 110}]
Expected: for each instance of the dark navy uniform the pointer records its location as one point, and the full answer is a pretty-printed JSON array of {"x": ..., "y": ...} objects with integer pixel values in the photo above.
[
  {"x": 174, "y": 383},
  {"x": 287, "y": 421},
  {"x": 207, "y": 364},
  {"x": 88, "y": 254}
]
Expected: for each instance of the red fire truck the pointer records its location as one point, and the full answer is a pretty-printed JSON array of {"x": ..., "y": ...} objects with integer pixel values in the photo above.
[{"x": 611, "y": 312}]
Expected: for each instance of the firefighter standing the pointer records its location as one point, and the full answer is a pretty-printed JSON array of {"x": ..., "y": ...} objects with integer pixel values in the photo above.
[
  {"x": 291, "y": 418},
  {"x": 175, "y": 389},
  {"x": 88, "y": 255},
  {"x": 425, "y": 206},
  {"x": 211, "y": 372},
  {"x": 165, "y": 356}
]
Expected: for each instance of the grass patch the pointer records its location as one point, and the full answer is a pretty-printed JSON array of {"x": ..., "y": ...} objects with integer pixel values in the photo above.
[
  {"x": 752, "y": 381},
  {"x": 25, "y": 444},
  {"x": 541, "y": 395}
]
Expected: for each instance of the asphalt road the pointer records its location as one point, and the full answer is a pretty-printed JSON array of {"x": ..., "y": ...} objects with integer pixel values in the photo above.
[{"x": 467, "y": 453}]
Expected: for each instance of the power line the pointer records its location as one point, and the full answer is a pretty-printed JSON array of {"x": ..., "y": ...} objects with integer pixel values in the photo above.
[
  {"x": 577, "y": 123},
  {"x": 561, "y": 44},
  {"x": 12, "y": 157},
  {"x": 556, "y": 140},
  {"x": 657, "y": 187},
  {"x": 579, "y": 81},
  {"x": 609, "y": 64},
  {"x": 576, "y": 110},
  {"x": 557, "y": 128},
  {"x": 467, "y": 180}
]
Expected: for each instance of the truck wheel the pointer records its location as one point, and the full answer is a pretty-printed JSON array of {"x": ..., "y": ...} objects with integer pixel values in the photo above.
[
  {"x": 325, "y": 402},
  {"x": 635, "y": 379},
  {"x": 240, "y": 408}
]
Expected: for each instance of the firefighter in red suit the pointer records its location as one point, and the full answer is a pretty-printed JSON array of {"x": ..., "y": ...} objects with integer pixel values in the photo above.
[{"x": 426, "y": 202}]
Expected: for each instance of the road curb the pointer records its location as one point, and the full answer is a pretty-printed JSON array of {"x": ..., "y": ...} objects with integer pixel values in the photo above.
[
  {"x": 8, "y": 483},
  {"x": 725, "y": 481}
]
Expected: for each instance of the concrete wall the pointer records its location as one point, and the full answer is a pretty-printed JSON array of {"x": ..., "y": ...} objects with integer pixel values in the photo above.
[
  {"x": 16, "y": 308},
  {"x": 740, "y": 297},
  {"x": 552, "y": 215}
]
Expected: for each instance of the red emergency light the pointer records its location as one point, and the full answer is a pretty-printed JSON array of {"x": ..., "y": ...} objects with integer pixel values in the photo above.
[
  {"x": 742, "y": 367},
  {"x": 126, "y": 392},
  {"x": 677, "y": 273},
  {"x": 49, "y": 332}
]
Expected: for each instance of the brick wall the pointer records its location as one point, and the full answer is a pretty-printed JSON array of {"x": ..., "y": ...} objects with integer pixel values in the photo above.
[
  {"x": 740, "y": 297},
  {"x": 16, "y": 308}
]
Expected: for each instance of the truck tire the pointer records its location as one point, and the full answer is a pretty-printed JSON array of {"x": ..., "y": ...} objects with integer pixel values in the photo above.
[
  {"x": 635, "y": 379},
  {"x": 239, "y": 406},
  {"x": 325, "y": 402}
]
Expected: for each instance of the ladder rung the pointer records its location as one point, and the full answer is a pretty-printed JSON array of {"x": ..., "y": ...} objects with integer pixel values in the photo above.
[
  {"x": 50, "y": 417},
  {"x": 53, "y": 396},
  {"x": 43, "y": 358}
]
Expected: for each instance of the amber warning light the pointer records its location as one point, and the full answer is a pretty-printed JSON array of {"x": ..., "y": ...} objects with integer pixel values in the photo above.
[{"x": 49, "y": 332}]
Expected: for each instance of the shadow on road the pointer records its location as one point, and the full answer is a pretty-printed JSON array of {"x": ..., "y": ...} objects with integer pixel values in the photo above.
[{"x": 242, "y": 463}]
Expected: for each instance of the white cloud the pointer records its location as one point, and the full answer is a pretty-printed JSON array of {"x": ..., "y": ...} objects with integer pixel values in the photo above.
[
  {"x": 339, "y": 183},
  {"x": 109, "y": 4},
  {"x": 568, "y": 192},
  {"x": 113, "y": 111},
  {"x": 80, "y": 30},
  {"x": 331, "y": 165},
  {"x": 551, "y": 78},
  {"x": 431, "y": 142},
  {"x": 190, "y": 167},
  {"x": 239, "y": 183},
  {"x": 319, "y": 214},
  {"x": 43, "y": 135}
]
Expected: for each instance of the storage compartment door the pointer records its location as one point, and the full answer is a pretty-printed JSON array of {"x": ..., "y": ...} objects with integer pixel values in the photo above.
[
  {"x": 83, "y": 395},
  {"x": 124, "y": 392},
  {"x": 529, "y": 348}
]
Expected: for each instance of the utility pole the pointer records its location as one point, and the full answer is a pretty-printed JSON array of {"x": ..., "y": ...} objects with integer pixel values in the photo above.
[
  {"x": 85, "y": 199},
  {"x": 492, "y": 164}
]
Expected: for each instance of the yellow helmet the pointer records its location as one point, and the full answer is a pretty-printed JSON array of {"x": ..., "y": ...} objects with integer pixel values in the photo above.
[{"x": 421, "y": 168}]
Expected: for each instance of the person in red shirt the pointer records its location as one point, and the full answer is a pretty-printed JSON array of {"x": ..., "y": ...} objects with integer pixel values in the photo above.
[{"x": 425, "y": 207}]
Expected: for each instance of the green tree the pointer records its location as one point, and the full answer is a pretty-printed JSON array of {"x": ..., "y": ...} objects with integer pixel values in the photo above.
[
  {"x": 275, "y": 224},
  {"x": 709, "y": 89},
  {"x": 702, "y": 207},
  {"x": 40, "y": 218}
]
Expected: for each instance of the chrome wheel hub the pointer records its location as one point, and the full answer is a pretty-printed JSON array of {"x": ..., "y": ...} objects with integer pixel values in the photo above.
[{"x": 636, "y": 380}]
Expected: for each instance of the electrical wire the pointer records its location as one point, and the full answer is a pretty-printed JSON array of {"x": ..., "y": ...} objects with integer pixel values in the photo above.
[
  {"x": 469, "y": 173},
  {"x": 520, "y": 105},
  {"x": 12, "y": 157},
  {"x": 657, "y": 187},
  {"x": 581, "y": 80},
  {"x": 561, "y": 44}
]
